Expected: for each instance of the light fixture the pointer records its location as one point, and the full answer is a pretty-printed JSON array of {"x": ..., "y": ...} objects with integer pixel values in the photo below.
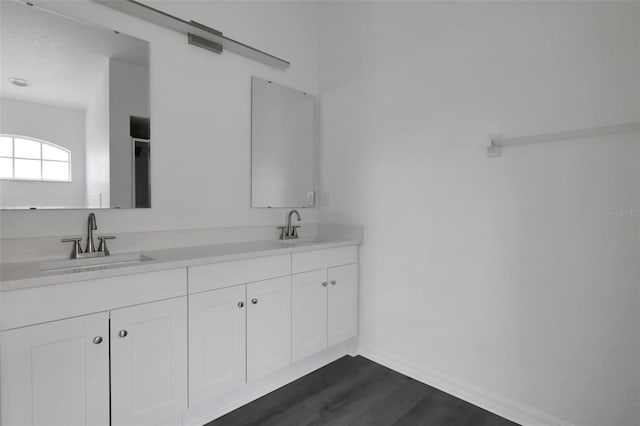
[
  {"x": 197, "y": 34},
  {"x": 20, "y": 82}
]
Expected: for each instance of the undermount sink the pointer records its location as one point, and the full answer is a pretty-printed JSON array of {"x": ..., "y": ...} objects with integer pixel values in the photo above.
[
  {"x": 301, "y": 241},
  {"x": 113, "y": 260}
]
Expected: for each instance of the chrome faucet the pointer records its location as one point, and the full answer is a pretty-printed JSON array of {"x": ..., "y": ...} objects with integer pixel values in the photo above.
[
  {"x": 91, "y": 226},
  {"x": 290, "y": 232},
  {"x": 90, "y": 251}
]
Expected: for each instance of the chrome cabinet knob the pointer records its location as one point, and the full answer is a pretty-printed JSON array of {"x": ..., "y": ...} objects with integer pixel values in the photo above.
[
  {"x": 97, "y": 340},
  {"x": 333, "y": 282},
  {"x": 240, "y": 304},
  {"x": 122, "y": 333},
  {"x": 254, "y": 301},
  {"x": 324, "y": 284}
]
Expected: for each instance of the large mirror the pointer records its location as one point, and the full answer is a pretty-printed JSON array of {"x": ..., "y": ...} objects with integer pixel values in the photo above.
[
  {"x": 283, "y": 146},
  {"x": 74, "y": 113}
]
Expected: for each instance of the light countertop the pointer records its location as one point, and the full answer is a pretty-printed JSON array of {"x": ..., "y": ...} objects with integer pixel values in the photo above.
[{"x": 23, "y": 275}]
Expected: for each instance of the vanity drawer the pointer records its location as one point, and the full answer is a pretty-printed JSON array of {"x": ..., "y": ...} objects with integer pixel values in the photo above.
[
  {"x": 49, "y": 303},
  {"x": 319, "y": 259},
  {"x": 226, "y": 274}
]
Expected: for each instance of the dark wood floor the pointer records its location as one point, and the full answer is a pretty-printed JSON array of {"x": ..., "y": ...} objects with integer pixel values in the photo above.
[{"x": 359, "y": 392}]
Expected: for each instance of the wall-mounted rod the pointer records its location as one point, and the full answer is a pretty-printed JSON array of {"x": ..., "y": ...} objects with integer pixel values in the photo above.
[
  {"x": 198, "y": 34},
  {"x": 495, "y": 149}
]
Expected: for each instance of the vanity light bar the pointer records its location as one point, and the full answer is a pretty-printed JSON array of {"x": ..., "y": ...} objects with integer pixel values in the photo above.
[{"x": 198, "y": 34}]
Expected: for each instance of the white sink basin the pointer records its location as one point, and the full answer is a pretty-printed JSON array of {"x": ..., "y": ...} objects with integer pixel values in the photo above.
[
  {"x": 301, "y": 241},
  {"x": 113, "y": 260}
]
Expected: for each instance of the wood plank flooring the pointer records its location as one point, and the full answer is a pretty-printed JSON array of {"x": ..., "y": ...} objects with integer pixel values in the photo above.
[{"x": 358, "y": 392}]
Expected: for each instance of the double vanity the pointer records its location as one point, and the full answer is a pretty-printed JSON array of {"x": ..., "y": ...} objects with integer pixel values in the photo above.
[{"x": 172, "y": 336}]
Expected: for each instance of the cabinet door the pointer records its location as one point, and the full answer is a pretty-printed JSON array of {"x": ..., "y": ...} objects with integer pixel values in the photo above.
[
  {"x": 268, "y": 326},
  {"x": 308, "y": 313},
  {"x": 56, "y": 373},
  {"x": 343, "y": 303},
  {"x": 149, "y": 363},
  {"x": 217, "y": 342}
]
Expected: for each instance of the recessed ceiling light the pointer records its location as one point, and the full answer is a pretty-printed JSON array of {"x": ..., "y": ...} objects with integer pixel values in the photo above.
[{"x": 20, "y": 82}]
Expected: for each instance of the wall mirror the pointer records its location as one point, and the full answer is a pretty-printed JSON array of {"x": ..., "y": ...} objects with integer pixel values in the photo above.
[
  {"x": 283, "y": 146},
  {"x": 74, "y": 113}
]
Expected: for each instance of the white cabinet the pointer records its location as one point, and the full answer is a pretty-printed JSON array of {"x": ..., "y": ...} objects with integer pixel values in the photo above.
[
  {"x": 324, "y": 309},
  {"x": 149, "y": 363},
  {"x": 227, "y": 274},
  {"x": 312, "y": 260},
  {"x": 268, "y": 326},
  {"x": 38, "y": 305},
  {"x": 140, "y": 349},
  {"x": 217, "y": 342},
  {"x": 308, "y": 313},
  {"x": 343, "y": 303},
  {"x": 56, "y": 373}
]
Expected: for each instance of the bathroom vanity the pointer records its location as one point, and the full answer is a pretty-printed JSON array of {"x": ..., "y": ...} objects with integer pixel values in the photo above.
[
  {"x": 159, "y": 337},
  {"x": 180, "y": 337}
]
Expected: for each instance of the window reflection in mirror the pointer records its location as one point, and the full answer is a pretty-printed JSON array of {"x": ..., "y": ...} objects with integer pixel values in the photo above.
[{"x": 25, "y": 158}]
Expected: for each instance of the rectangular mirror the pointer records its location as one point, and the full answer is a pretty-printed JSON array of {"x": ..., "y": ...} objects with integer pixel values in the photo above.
[
  {"x": 74, "y": 113},
  {"x": 283, "y": 146}
]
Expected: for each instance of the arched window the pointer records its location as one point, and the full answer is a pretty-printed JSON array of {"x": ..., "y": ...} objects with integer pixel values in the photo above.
[{"x": 25, "y": 158}]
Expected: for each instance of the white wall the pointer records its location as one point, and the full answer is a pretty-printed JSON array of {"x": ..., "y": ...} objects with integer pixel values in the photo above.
[
  {"x": 128, "y": 95},
  {"x": 200, "y": 117},
  {"x": 43, "y": 122},
  {"x": 97, "y": 143},
  {"x": 501, "y": 276}
]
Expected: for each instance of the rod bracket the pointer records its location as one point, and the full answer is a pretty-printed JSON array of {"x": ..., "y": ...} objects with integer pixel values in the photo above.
[{"x": 494, "y": 149}]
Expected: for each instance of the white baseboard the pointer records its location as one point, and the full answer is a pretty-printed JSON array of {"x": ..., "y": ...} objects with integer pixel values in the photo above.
[{"x": 496, "y": 404}]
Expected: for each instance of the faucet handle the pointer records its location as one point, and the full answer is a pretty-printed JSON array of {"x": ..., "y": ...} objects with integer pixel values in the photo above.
[
  {"x": 283, "y": 232},
  {"x": 294, "y": 231},
  {"x": 102, "y": 247},
  {"x": 76, "y": 246}
]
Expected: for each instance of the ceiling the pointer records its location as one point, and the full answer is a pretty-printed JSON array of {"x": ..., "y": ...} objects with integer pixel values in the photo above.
[{"x": 63, "y": 58}]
